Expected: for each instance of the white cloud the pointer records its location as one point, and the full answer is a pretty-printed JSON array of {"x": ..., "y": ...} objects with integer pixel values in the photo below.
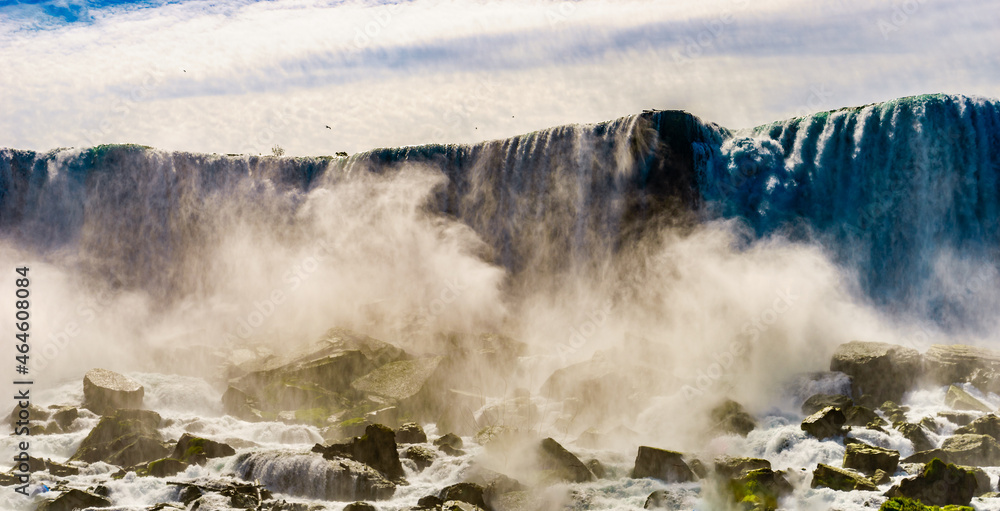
[{"x": 242, "y": 76}]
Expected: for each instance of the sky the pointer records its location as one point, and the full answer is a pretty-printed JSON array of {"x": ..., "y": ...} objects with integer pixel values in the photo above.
[{"x": 317, "y": 77}]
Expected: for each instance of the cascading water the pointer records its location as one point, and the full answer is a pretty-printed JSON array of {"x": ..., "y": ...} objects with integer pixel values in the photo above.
[{"x": 641, "y": 250}]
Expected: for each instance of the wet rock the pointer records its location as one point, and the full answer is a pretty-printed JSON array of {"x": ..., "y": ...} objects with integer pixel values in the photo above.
[
  {"x": 962, "y": 400},
  {"x": 916, "y": 435},
  {"x": 61, "y": 469},
  {"x": 421, "y": 456},
  {"x": 759, "y": 489},
  {"x": 982, "y": 479},
  {"x": 124, "y": 438},
  {"x": 938, "y": 485},
  {"x": 192, "y": 449},
  {"x": 884, "y": 371},
  {"x": 881, "y": 477},
  {"x": 239, "y": 404},
  {"x": 74, "y": 499},
  {"x": 451, "y": 440},
  {"x": 165, "y": 467},
  {"x": 412, "y": 384},
  {"x": 464, "y": 492},
  {"x": 731, "y": 417},
  {"x": 563, "y": 464},
  {"x": 818, "y": 402},
  {"x": 105, "y": 391},
  {"x": 826, "y": 423},
  {"x": 869, "y": 459},
  {"x": 377, "y": 449},
  {"x": 430, "y": 502},
  {"x": 974, "y": 450},
  {"x": 597, "y": 468},
  {"x": 667, "y": 466},
  {"x": 957, "y": 363},
  {"x": 661, "y": 499},
  {"x": 895, "y": 412},
  {"x": 959, "y": 418},
  {"x": 985, "y": 425},
  {"x": 840, "y": 479},
  {"x": 728, "y": 468},
  {"x": 360, "y": 506},
  {"x": 863, "y": 417},
  {"x": 411, "y": 433},
  {"x": 64, "y": 417}
]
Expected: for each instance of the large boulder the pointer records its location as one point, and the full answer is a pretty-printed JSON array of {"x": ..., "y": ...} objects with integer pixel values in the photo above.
[
  {"x": 469, "y": 493},
  {"x": 192, "y": 449},
  {"x": 377, "y": 449},
  {"x": 667, "y": 466},
  {"x": 730, "y": 417},
  {"x": 409, "y": 383},
  {"x": 164, "y": 467},
  {"x": 74, "y": 499},
  {"x": 959, "y": 399},
  {"x": 422, "y": 457},
  {"x": 939, "y": 484},
  {"x": 967, "y": 449},
  {"x": 883, "y": 371},
  {"x": 410, "y": 433},
  {"x": 840, "y": 479},
  {"x": 868, "y": 459},
  {"x": 125, "y": 438},
  {"x": 316, "y": 377},
  {"x": 105, "y": 391},
  {"x": 826, "y": 423},
  {"x": 985, "y": 425},
  {"x": 957, "y": 363},
  {"x": 563, "y": 464}
]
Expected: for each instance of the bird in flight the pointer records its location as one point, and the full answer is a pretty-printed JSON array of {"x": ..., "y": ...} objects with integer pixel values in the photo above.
[{"x": 328, "y": 127}]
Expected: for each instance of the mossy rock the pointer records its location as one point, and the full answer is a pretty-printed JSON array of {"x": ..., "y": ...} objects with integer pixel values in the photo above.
[
  {"x": 939, "y": 484},
  {"x": 840, "y": 479},
  {"x": 759, "y": 490},
  {"x": 163, "y": 468},
  {"x": 904, "y": 504}
]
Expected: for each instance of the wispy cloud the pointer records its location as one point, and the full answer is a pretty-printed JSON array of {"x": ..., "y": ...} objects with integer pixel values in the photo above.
[{"x": 239, "y": 76}]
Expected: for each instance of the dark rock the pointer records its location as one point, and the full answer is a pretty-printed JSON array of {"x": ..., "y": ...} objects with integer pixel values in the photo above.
[
  {"x": 698, "y": 468},
  {"x": 826, "y": 423},
  {"x": 597, "y": 468},
  {"x": 165, "y": 467},
  {"x": 916, "y": 435},
  {"x": 125, "y": 438},
  {"x": 563, "y": 464},
  {"x": 376, "y": 449},
  {"x": 818, "y": 402},
  {"x": 65, "y": 416},
  {"x": 868, "y": 459},
  {"x": 429, "y": 502},
  {"x": 863, "y": 417},
  {"x": 728, "y": 468},
  {"x": 938, "y": 485},
  {"x": 360, "y": 506},
  {"x": 61, "y": 470},
  {"x": 885, "y": 371},
  {"x": 192, "y": 449},
  {"x": 74, "y": 499},
  {"x": 451, "y": 451},
  {"x": 464, "y": 492},
  {"x": 982, "y": 479},
  {"x": 731, "y": 417},
  {"x": 840, "y": 479},
  {"x": 962, "y": 400},
  {"x": 105, "y": 391},
  {"x": 759, "y": 489},
  {"x": 451, "y": 440},
  {"x": 421, "y": 456},
  {"x": 660, "y": 499},
  {"x": 411, "y": 433},
  {"x": 667, "y": 466}
]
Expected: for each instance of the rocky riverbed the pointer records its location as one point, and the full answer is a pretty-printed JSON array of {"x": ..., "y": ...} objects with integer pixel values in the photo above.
[{"x": 351, "y": 422}]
